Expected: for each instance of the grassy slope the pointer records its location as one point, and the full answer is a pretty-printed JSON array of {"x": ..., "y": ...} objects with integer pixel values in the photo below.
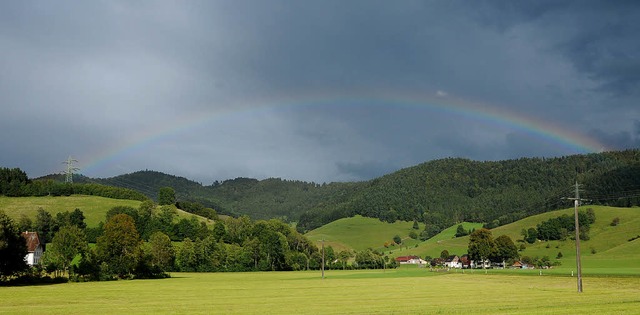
[
  {"x": 613, "y": 252},
  {"x": 360, "y": 233},
  {"x": 401, "y": 291},
  {"x": 94, "y": 208}
]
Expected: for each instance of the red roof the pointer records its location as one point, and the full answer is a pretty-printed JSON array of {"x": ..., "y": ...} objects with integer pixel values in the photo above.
[
  {"x": 33, "y": 241},
  {"x": 406, "y": 258}
]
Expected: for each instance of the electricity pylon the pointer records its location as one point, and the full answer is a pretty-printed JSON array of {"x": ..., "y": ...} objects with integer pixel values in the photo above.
[{"x": 70, "y": 169}]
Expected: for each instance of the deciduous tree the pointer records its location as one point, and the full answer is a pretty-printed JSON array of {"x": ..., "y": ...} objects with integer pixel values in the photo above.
[
  {"x": 505, "y": 249},
  {"x": 119, "y": 246},
  {"x": 13, "y": 247},
  {"x": 166, "y": 196},
  {"x": 161, "y": 250},
  {"x": 481, "y": 245},
  {"x": 68, "y": 242}
]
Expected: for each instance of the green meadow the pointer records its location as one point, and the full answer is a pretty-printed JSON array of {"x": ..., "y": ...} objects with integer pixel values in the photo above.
[
  {"x": 359, "y": 233},
  {"x": 401, "y": 291},
  {"x": 608, "y": 251},
  {"x": 94, "y": 208}
]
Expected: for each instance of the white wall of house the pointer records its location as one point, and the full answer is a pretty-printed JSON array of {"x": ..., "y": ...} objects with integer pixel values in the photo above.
[
  {"x": 453, "y": 264},
  {"x": 33, "y": 258}
]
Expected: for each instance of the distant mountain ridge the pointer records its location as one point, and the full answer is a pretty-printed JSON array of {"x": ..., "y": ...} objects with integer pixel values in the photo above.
[{"x": 438, "y": 193}]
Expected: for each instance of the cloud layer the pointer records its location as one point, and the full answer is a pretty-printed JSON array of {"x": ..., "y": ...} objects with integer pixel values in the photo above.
[{"x": 309, "y": 90}]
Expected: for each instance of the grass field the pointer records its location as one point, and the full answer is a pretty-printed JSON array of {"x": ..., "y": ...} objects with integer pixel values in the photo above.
[
  {"x": 608, "y": 247},
  {"x": 402, "y": 291},
  {"x": 359, "y": 233},
  {"x": 94, "y": 208}
]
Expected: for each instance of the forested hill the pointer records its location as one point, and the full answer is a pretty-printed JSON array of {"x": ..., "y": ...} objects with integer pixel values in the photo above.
[
  {"x": 260, "y": 199},
  {"x": 443, "y": 192},
  {"x": 439, "y": 193}
]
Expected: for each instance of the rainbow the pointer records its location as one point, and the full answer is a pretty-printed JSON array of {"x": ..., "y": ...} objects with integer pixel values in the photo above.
[{"x": 568, "y": 140}]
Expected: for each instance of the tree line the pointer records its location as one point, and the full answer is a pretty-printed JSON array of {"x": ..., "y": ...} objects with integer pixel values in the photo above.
[
  {"x": 15, "y": 183},
  {"x": 561, "y": 228}
]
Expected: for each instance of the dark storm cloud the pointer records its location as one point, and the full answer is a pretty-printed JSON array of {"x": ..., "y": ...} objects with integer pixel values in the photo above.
[
  {"x": 596, "y": 37},
  {"x": 87, "y": 78},
  {"x": 622, "y": 139}
]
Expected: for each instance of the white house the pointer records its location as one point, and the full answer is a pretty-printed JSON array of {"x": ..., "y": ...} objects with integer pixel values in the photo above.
[
  {"x": 453, "y": 261},
  {"x": 410, "y": 260},
  {"x": 34, "y": 248},
  {"x": 478, "y": 264}
]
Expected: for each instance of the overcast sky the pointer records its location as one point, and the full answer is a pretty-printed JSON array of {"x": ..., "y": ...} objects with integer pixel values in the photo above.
[{"x": 311, "y": 90}]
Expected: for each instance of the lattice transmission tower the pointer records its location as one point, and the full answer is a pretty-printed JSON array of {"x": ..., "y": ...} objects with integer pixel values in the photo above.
[{"x": 70, "y": 169}]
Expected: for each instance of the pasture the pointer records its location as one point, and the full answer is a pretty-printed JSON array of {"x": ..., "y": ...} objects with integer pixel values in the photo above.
[
  {"x": 94, "y": 208},
  {"x": 401, "y": 291}
]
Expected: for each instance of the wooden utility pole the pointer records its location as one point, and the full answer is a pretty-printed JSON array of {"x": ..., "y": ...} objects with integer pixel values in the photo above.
[
  {"x": 576, "y": 203},
  {"x": 322, "y": 259}
]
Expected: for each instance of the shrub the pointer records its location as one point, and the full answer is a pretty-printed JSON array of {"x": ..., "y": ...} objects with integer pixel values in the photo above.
[{"x": 615, "y": 221}]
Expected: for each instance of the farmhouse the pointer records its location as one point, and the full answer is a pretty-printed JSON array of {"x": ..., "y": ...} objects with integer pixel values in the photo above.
[
  {"x": 520, "y": 265},
  {"x": 453, "y": 261},
  {"x": 34, "y": 248},
  {"x": 410, "y": 260},
  {"x": 465, "y": 261}
]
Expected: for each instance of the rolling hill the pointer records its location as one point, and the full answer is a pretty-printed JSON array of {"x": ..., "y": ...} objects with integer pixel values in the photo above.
[
  {"x": 608, "y": 246},
  {"x": 94, "y": 208},
  {"x": 438, "y": 193}
]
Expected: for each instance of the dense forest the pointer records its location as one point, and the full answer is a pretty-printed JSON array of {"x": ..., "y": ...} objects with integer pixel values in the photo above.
[
  {"x": 439, "y": 193},
  {"x": 443, "y": 192}
]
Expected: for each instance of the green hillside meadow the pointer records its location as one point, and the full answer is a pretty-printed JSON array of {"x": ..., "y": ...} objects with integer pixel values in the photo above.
[
  {"x": 359, "y": 233},
  {"x": 614, "y": 253},
  {"x": 94, "y": 208},
  {"x": 401, "y": 291}
]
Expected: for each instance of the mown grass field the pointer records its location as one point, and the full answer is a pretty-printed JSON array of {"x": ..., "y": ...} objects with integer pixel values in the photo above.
[{"x": 402, "y": 291}]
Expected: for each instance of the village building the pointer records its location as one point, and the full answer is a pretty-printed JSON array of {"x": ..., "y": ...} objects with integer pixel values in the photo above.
[
  {"x": 410, "y": 260},
  {"x": 34, "y": 248},
  {"x": 453, "y": 261}
]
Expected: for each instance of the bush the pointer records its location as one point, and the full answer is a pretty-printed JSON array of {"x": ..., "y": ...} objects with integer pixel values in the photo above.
[{"x": 615, "y": 221}]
